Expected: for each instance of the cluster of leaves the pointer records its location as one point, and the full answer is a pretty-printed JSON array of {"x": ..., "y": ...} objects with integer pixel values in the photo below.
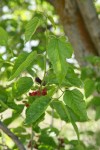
[{"x": 73, "y": 84}]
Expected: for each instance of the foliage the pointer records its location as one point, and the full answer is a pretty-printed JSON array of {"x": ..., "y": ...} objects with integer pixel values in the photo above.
[{"x": 39, "y": 80}]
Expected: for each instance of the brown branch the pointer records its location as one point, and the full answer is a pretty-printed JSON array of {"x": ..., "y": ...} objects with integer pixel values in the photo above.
[
  {"x": 91, "y": 21},
  {"x": 12, "y": 136}
]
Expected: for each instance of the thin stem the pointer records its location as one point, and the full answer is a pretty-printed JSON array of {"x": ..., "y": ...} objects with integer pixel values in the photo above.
[
  {"x": 59, "y": 96},
  {"x": 52, "y": 114},
  {"x": 12, "y": 136},
  {"x": 45, "y": 58},
  {"x": 56, "y": 91},
  {"x": 32, "y": 135}
]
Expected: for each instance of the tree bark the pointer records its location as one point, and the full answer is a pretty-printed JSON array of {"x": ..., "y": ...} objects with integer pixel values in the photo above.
[{"x": 81, "y": 25}]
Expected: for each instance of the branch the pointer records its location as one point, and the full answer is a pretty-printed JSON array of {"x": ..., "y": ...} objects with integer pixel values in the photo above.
[
  {"x": 12, "y": 136},
  {"x": 91, "y": 21}
]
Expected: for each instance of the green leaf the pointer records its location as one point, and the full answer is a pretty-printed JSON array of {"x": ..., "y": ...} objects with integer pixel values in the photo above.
[
  {"x": 79, "y": 147},
  {"x": 65, "y": 114},
  {"x": 52, "y": 21},
  {"x": 74, "y": 100},
  {"x": 48, "y": 140},
  {"x": 89, "y": 87},
  {"x": 98, "y": 87},
  {"x": 97, "y": 117},
  {"x": 40, "y": 119},
  {"x": 20, "y": 59},
  {"x": 3, "y": 105},
  {"x": 73, "y": 124},
  {"x": 22, "y": 86},
  {"x": 95, "y": 101},
  {"x": 73, "y": 78},
  {"x": 87, "y": 72},
  {"x": 31, "y": 28},
  {"x": 3, "y": 94},
  {"x": 3, "y": 37},
  {"x": 36, "y": 109},
  {"x": 58, "y": 51},
  {"x": 74, "y": 116},
  {"x": 61, "y": 109},
  {"x": 51, "y": 78},
  {"x": 16, "y": 107},
  {"x": 26, "y": 62},
  {"x": 3, "y": 99}
]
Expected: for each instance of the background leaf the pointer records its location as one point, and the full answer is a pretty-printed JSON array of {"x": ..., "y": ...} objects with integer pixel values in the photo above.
[
  {"x": 3, "y": 37},
  {"x": 89, "y": 87},
  {"x": 97, "y": 117}
]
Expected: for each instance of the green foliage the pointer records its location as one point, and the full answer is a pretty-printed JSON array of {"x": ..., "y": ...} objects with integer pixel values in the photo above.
[
  {"x": 97, "y": 117},
  {"x": 65, "y": 115},
  {"x": 19, "y": 69},
  {"x": 73, "y": 78},
  {"x": 31, "y": 27},
  {"x": 61, "y": 110},
  {"x": 22, "y": 86},
  {"x": 3, "y": 37},
  {"x": 52, "y": 21},
  {"x": 31, "y": 48},
  {"x": 89, "y": 87},
  {"x": 58, "y": 50},
  {"x": 74, "y": 100},
  {"x": 36, "y": 109}
]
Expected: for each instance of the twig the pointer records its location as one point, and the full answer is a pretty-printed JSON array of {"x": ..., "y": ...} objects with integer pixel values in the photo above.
[
  {"x": 52, "y": 118},
  {"x": 32, "y": 135},
  {"x": 12, "y": 136}
]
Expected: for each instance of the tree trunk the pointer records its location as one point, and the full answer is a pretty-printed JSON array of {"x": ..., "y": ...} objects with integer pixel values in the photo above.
[{"x": 81, "y": 25}]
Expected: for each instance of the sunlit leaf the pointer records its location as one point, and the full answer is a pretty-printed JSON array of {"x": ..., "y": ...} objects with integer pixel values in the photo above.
[
  {"x": 58, "y": 52},
  {"x": 31, "y": 27},
  {"x": 22, "y": 85},
  {"x": 52, "y": 21},
  {"x": 26, "y": 62},
  {"x": 3, "y": 37}
]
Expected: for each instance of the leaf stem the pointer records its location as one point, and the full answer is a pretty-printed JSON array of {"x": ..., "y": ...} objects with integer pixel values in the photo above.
[
  {"x": 32, "y": 135},
  {"x": 45, "y": 58}
]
